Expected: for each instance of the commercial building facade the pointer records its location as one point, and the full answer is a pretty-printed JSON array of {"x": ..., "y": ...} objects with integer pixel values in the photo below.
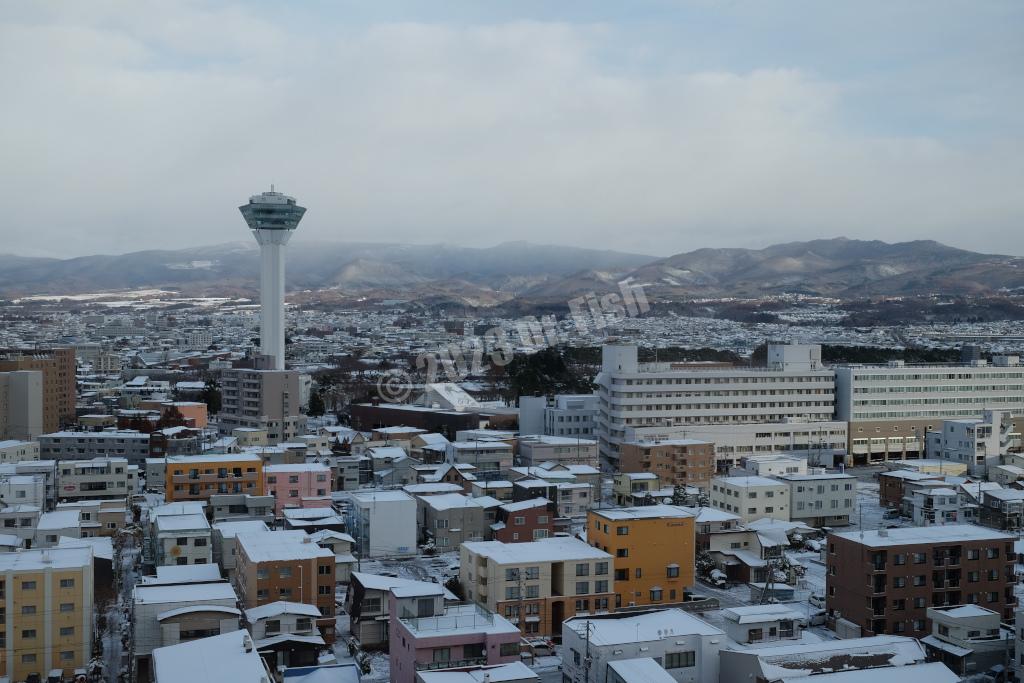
[{"x": 200, "y": 477}]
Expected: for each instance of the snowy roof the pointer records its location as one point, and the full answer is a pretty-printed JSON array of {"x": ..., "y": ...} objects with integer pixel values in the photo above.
[
  {"x": 192, "y": 609},
  {"x": 379, "y": 496},
  {"x": 545, "y": 550},
  {"x": 400, "y": 430},
  {"x": 646, "y": 443},
  {"x": 462, "y": 618},
  {"x": 639, "y": 475},
  {"x": 407, "y": 586},
  {"x": 636, "y": 628},
  {"x": 393, "y": 452},
  {"x": 448, "y": 501},
  {"x": 526, "y": 504},
  {"x": 966, "y": 611},
  {"x": 933, "y": 672},
  {"x": 645, "y": 512},
  {"x": 289, "y": 638},
  {"x": 274, "y": 609},
  {"x": 10, "y": 540},
  {"x": 325, "y": 673},
  {"x": 183, "y": 508},
  {"x": 326, "y": 534},
  {"x": 910, "y": 475},
  {"x": 804, "y": 659},
  {"x": 308, "y": 513},
  {"x": 752, "y": 480},
  {"x": 58, "y": 519},
  {"x": 432, "y": 487},
  {"x": 704, "y": 514},
  {"x": 759, "y": 613},
  {"x": 102, "y": 546},
  {"x": 226, "y": 658},
  {"x": 38, "y": 560},
  {"x": 555, "y": 440},
  {"x": 516, "y": 671},
  {"x": 159, "y": 594},
  {"x": 640, "y": 670},
  {"x": 280, "y": 546},
  {"x": 815, "y": 477},
  {"x": 232, "y": 529},
  {"x": 189, "y": 522},
  {"x": 213, "y": 458},
  {"x": 940, "y": 535},
  {"x": 185, "y": 573}
]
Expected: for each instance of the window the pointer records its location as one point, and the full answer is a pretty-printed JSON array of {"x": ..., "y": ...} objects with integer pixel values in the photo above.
[
  {"x": 679, "y": 660},
  {"x": 533, "y": 591},
  {"x": 262, "y": 573},
  {"x": 655, "y": 595},
  {"x": 284, "y": 572},
  {"x": 582, "y": 569},
  {"x": 28, "y": 609},
  {"x": 303, "y": 624},
  {"x": 28, "y": 633},
  {"x": 273, "y": 626},
  {"x": 673, "y": 571},
  {"x": 582, "y": 587},
  {"x": 285, "y": 592},
  {"x": 601, "y": 569},
  {"x": 622, "y": 552},
  {"x": 920, "y": 603},
  {"x": 323, "y": 569},
  {"x": 991, "y": 553},
  {"x": 600, "y": 586},
  {"x": 622, "y": 531},
  {"x": 28, "y": 585},
  {"x": 509, "y": 649},
  {"x": 973, "y": 553},
  {"x": 67, "y": 607},
  {"x": 67, "y": 630},
  {"x": 519, "y": 521},
  {"x": 325, "y": 590},
  {"x": 28, "y": 659},
  {"x": 442, "y": 654},
  {"x": 181, "y": 540},
  {"x": 920, "y": 558}
]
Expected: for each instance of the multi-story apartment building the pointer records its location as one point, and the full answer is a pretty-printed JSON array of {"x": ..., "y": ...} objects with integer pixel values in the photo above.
[
  {"x": 537, "y": 585},
  {"x": 655, "y": 645},
  {"x": 568, "y": 415},
  {"x": 306, "y": 485},
  {"x": 825, "y": 499},
  {"x": 534, "y": 450},
  {"x": 59, "y": 390},
  {"x": 262, "y": 399},
  {"x": 197, "y": 477},
  {"x": 774, "y": 465},
  {"x": 884, "y": 581},
  {"x": 677, "y": 462},
  {"x": 47, "y": 469},
  {"x": 70, "y": 445},
  {"x": 289, "y": 566},
  {"x": 22, "y": 489},
  {"x": 13, "y": 450},
  {"x": 891, "y": 408},
  {"x": 975, "y": 443},
  {"x": 20, "y": 521},
  {"x": 181, "y": 539},
  {"x": 96, "y": 478},
  {"x": 668, "y": 400},
  {"x": 751, "y": 497},
  {"x": 383, "y": 523},
  {"x": 21, "y": 404},
  {"x": 448, "y": 519},
  {"x": 525, "y": 520},
  {"x": 654, "y": 551},
  {"x": 48, "y": 615}
]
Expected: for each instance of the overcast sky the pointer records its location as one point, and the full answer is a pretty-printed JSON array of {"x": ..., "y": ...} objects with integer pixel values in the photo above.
[{"x": 654, "y": 127}]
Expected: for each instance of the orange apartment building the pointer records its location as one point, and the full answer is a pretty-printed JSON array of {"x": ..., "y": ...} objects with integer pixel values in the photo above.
[
  {"x": 677, "y": 462},
  {"x": 654, "y": 551},
  {"x": 59, "y": 388},
  {"x": 286, "y": 565},
  {"x": 197, "y": 477}
]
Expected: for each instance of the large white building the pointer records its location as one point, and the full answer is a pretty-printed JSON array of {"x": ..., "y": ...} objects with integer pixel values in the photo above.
[
  {"x": 383, "y": 523},
  {"x": 690, "y": 400},
  {"x": 976, "y": 443},
  {"x": 751, "y": 497},
  {"x": 890, "y": 408}
]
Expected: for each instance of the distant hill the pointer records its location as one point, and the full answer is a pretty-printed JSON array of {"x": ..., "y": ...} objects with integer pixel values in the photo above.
[
  {"x": 527, "y": 273},
  {"x": 837, "y": 267}
]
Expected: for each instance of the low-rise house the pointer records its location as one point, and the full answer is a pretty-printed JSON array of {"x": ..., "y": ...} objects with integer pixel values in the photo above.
[
  {"x": 1002, "y": 509},
  {"x": 20, "y": 521},
  {"x": 489, "y": 457},
  {"x": 968, "y": 639},
  {"x": 762, "y": 623},
  {"x": 499, "y": 489},
  {"x": 368, "y": 604},
  {"x": 312, "y": 520},
  {"x": 929, "y": 506},
  {"x": 427, "y": 635},
  {"x": 627, "y": 486},
  {"x": 686, "y": 647},
  {"x": 775, "y": 663},
  {"x": 775, "y": 465},
  {"x": 391, "y": 466},
  {"x": 23, "y": 489},
  {"x": 448, "y": 519},
  {"x": 165, "y": 613},
  {"x": 751, "y": 497},
  {"x": 892, "y": 484},
  {"x": 526, "y": 520},
  {"x": 516, "y": 672},
  {"x": 710, "y": 521},
  {"x": 280, "y": 617},
  {"x": 1005, "y": 474},
  {"x": 217, "y": 659},
  {"x": 572, "y": 498},
  {"x": 535, "y": 449},
  {"x": 823, "y": 499},
  {"x": 181, "y": 539},
  {"x": 47, "y": 469},
  {"x": 14, "y": 450},
  {"x": 53, "y": 525},
  {"x": 228, "y": 507},
  {"x": 341, "y": 545},
  {"x": 99, "y": 517}
]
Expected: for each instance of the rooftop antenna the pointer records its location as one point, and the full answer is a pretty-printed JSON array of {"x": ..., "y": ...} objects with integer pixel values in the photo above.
[{"x": 271, "y": 187}]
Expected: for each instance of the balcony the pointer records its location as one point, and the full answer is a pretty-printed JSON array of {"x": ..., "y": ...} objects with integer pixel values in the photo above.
[{"x": 451, "y": 664}]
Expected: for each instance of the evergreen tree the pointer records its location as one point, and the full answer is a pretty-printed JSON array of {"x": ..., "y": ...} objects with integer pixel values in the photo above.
[
  {"x": 211, "y": 396},
  {"x": 316, "y": 404}
]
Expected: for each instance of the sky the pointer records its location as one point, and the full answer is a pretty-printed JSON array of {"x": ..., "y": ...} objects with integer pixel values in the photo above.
[{"x": 654, "y": 127}]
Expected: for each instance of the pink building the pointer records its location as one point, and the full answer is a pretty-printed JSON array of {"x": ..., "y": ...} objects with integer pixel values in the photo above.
[
  {"x": 425, "y": 635},
  {"x": 298, "y": 486}
]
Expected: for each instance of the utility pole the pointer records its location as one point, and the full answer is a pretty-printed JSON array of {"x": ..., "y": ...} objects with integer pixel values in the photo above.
[{"x": 586, "y": 658}]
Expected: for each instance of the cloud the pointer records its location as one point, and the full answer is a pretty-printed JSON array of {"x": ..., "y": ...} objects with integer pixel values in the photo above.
[{"x": 132, "y": 127}]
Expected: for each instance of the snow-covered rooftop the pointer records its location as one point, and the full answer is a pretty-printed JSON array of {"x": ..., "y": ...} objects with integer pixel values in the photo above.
[
  {"x": 938, "y": 535},
  {"x": 648, "y": 626},
  {"x": 545, "y": 550},
  {"x": 226, "y": 658}
]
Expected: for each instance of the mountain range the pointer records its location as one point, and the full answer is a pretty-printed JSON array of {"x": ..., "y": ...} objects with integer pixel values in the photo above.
[{"x": 534, "y": 273}]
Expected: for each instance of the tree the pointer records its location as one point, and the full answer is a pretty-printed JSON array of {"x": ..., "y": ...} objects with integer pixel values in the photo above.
[
  {"x": 316, "y": 404},
  {"x": 211, "y": 396},
  {"x": 678, "y": 495},
  {"x": 172, "y": 417}
]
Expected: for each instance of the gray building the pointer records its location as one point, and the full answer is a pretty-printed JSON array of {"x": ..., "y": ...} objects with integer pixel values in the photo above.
[
  {"x": 262, "y": 399},
  {"x": 821, "y": 499}
]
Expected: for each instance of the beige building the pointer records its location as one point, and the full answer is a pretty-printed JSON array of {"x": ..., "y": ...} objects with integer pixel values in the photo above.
[
  {"x": 96, "y": 478},
  {"x": 752, "y": 497},
  {"x": 538, "y": 584},
  {"x": 12, "y": 450},
  {"x": 262, "y": 399},
  {"x": 48, "y": 611},
  {"x": 59, "y": 389}
]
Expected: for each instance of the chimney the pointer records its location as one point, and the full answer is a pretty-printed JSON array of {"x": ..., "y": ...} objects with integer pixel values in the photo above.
[{"x": 247, "y": 642}]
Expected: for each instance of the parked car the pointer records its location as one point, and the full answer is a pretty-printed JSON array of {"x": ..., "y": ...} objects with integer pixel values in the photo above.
[{"x": 817, "y": 600}]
